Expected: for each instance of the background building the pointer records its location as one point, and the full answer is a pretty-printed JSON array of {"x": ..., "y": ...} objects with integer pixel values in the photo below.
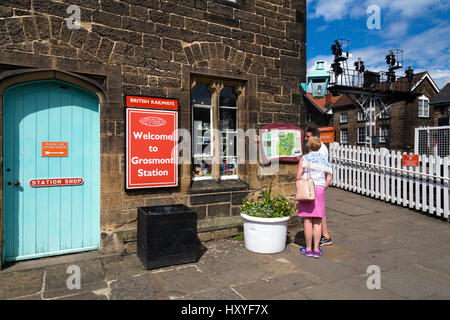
[{"x": 394, "y": 128}]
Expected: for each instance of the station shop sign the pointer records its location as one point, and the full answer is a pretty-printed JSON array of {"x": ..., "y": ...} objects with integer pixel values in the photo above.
[
  {"x": 151, "y": 143},
  {"x": 55, "y": 182}
]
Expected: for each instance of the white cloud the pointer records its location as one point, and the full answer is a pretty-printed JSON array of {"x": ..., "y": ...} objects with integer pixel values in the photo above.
[{"x": 332, "y": 10}]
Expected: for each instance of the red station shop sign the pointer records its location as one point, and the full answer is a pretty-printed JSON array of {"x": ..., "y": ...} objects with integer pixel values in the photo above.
[
  {"x": 54, "y": 182},
  {"x": 152, "y": 152}
]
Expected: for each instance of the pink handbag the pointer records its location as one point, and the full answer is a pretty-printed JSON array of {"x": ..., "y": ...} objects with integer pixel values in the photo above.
[{"x": 305, "y": 188}]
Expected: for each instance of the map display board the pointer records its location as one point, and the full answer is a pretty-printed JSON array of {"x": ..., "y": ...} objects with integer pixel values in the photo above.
[{"x": 280, "y": 141}]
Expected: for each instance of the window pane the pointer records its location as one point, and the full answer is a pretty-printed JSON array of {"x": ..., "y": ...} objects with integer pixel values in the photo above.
[
  {"x": 227, "y": 98},
  {"x": 228, "y": 167},
  {"x": 229, "y": 144},
  {"x": 201, "y": 94},
  {"x": 227, "y": 119},
  {"x": 202, "y": 131},
  {"x": 202, "y": 166}
]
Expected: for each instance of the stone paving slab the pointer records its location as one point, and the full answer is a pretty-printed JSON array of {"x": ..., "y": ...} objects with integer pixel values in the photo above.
[
  {"x": 353, "y": 288},
  {"x": 411, "y": 249},
  {"x": 21, "y": 283},
  {"x": 275, "y": 286}
]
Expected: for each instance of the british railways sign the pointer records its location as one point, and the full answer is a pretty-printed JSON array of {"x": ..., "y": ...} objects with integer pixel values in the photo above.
[{"x": 152, "y": 151}]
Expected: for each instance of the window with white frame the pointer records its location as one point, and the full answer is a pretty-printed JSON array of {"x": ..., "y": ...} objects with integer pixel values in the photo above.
[
  {"x": 361, "y": 116},
  {"x": 424, "y": 108},
  {"x": 362, "y": 135},
  {"x": 202, "y": 115},
  {"x": 215, "y": 118},
  {"x": 343, "y": 117},
  {"x": 385, "y": 114},
  {"x": 384, "y": 133},
  {"x": 344, "y": 136}
]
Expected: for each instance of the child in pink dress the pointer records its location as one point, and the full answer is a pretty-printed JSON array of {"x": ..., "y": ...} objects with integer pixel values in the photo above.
[{"x": 314, "y": 210}]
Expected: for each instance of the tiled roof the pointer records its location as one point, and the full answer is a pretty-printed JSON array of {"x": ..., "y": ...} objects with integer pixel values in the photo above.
[
  {"x": 322, "y": 103},
  {"x": 443, "y": 96}
]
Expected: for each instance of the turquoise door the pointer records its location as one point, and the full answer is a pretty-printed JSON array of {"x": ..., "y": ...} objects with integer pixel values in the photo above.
[{"x": 57, "y": 219}]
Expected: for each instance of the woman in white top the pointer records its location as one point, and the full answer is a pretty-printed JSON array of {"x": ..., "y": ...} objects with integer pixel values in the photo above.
[{"x": 314, "y": 210}]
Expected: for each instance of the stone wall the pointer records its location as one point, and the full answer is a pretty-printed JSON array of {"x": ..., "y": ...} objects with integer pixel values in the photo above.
[{"x": 154, "y": 48}]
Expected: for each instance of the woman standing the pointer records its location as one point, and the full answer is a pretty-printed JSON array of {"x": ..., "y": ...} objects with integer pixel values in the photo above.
[{"x": 313, "y": 210}]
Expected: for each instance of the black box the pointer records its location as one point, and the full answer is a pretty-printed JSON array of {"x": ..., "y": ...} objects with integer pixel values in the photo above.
[{"x": 167, "y": 235}]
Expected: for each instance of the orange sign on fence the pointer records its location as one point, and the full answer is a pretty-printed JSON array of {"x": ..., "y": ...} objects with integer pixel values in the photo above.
[
  {"x": 327, "y": 134},
  {"x": 410, "y": 160}
]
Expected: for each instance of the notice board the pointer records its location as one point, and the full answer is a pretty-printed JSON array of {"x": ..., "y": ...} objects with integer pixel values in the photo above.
[
  {"x": 151, "y": 148},
  {"x": 282, "y": 142}
]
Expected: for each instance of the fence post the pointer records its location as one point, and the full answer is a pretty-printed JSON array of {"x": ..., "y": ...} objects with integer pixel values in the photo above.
[
  {"x": 411, "y": 186},
  {"x": 399, "y": 178},
  {"x": 382, "y": 174},
  {"x": 387, "y": 163},
  {"x": 377, "y": 174},
  {"x": 393, "y": 178},
  {"x": 430, "y": 184},
  {"x": 358, "y": 169},
  {"x": 417, "y": 187},
  {"x": 371, "y": 172},
  {"x": 446, "y": 187},
  {"x": 405, "y": 183},
  {"x": 355, "y": 166},
  {"x": 347, "y": 167},
  {"x": 438, "y": 173},
  {"x": 424, "y": 184}
]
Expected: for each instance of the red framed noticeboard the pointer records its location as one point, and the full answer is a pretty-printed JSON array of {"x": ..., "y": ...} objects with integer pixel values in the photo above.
[
  {"x": 280, "y": 141},
  {"x": 152, "y": 148}
]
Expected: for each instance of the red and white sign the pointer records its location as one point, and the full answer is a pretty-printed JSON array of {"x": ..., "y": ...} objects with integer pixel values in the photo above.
[
  {"x": 54, "y": 182},
  {"x": 151, "y": 103},
  {"x": 54, "y": 149},
  {"x": 410, "y": 160},
  {"x": 152, "y": 152}
]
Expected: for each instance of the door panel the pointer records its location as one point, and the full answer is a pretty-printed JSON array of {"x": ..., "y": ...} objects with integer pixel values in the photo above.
[{"x": 50, "y": 220}]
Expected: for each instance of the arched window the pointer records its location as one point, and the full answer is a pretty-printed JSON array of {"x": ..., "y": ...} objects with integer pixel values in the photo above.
[{"x": 424, "y": 108}]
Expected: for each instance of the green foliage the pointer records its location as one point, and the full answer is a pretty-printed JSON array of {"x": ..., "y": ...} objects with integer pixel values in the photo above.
[{"x": 267, "y": 206}]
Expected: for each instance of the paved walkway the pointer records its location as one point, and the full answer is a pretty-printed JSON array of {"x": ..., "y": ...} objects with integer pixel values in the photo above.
[{"x": 411, "y": 250}]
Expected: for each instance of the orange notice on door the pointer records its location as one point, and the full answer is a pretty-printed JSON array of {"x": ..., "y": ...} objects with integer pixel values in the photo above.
[
  {"x": 54, "y": 149},
  {"x": 410, "y": 160}
]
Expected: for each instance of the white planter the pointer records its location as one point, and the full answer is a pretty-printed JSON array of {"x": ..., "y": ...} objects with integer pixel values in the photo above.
[{"x": 265, "y": 235}]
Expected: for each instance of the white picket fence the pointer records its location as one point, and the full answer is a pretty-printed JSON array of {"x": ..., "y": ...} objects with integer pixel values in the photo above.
[{"x": 379, "y": 173}]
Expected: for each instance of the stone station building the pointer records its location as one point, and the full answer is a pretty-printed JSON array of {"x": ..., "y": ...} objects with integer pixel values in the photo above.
[{"x": 60, "y": 83}]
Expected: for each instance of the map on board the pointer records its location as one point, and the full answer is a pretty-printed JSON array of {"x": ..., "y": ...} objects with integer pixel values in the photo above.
[{"x": 282, "y": 143}]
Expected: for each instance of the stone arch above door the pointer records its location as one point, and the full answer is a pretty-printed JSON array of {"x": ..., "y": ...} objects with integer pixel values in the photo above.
[{"x": 9, "y": 78}]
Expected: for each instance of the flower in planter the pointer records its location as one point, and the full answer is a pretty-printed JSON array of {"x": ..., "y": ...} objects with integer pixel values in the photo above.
[{"x": 267, "y": 206}]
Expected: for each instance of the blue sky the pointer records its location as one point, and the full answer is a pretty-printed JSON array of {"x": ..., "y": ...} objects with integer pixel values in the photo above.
[{"x": 420, "y": 28}]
